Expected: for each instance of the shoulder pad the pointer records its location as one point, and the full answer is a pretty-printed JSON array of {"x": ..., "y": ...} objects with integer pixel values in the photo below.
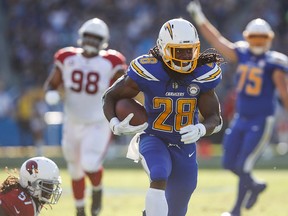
[
  {"x": 278, "y": 58},
  {"x": 242, "y": 46},
  {"x": 140, "y": 65},
  {"x": 115, "y": 57},
  {"x": 212, "y": 72},
  {"x": 111, "y": 52},
  {"x": 63, "y": 53}
]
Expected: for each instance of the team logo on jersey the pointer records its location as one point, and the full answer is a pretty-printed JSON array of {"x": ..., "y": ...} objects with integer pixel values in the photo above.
[
  {"x": 193, "y": 89},
  {"x": 175, "y": 85},
  {"x": 32, "y": 167}
]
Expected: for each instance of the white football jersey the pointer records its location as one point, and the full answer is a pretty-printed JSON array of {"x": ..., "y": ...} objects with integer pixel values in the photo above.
[{"x": 85, "y": 80}]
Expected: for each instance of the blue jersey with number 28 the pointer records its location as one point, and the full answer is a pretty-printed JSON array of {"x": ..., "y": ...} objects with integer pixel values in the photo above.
[{"x": 170, "y": 105}]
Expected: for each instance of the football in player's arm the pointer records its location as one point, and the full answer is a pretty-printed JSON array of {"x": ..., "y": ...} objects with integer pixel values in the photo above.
[
  {"x": 83, "y": 74},
  {"x": 178, "y": 82},
  {"x": 259, "y": 74},
  {"x": 38, "y": 184}
]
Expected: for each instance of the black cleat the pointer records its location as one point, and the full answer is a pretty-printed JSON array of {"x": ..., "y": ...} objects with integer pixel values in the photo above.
[
  {"x": 143, "y": 213},
  {"x": 257, "y": 189},
  {"x": 96, "y": 202},
  {"x": 80, "y": 211}
]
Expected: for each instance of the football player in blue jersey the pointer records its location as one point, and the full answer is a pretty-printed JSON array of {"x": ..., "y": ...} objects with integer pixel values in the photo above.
[
  {"x": 259, "y": 74},
  {"x": 178, "y": 83}
]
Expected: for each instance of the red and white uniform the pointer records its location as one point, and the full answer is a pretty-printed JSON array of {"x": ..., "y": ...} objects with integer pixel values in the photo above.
[
  {"x": 85, "y": 80},
  {"x": 17, "y": 202}
]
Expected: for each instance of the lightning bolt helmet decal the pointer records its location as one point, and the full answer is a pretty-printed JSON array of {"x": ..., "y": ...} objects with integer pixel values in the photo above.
[{"x": 169, "y": 28}]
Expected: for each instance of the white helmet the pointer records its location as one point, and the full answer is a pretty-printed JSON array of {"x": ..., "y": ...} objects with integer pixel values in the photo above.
[
  {"x": 259, "y": 35},
  {"x": 40, "y": 176},
  {"x": 179, "y": 35},
  {"x": 95, "y": 27}
]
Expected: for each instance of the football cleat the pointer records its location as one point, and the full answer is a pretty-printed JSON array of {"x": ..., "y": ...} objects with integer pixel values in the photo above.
[
  {"x": 96, "y": 202},
  {"x": 80, "y": 211},
  {"x": 259, "y": 188}
]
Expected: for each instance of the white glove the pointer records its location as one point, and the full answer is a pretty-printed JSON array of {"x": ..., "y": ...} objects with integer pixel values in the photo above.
[
  {"x": 52, "y": 97},
  {"x": 195, "y": 10},
  {"x": 124, "y": 128},
  {"x": 192, "y": 133}
]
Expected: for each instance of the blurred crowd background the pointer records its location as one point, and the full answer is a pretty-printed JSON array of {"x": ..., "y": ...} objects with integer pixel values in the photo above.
[{"x": 32, "y": 31}]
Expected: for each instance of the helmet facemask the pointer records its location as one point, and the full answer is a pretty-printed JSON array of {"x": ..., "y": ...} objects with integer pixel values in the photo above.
[
  {"x": 92, "y": 44},
  {"x": 258, "y": 43},
  {"x": 181, "y": 58},
  {"x": 47, "y": 191}
]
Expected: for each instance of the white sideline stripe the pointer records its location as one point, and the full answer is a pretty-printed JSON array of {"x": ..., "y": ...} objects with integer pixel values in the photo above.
[{"x": 264, "y": 141}]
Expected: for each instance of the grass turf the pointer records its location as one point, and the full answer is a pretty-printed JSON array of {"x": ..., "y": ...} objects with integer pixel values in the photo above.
[{"x": 124, "y": 193}]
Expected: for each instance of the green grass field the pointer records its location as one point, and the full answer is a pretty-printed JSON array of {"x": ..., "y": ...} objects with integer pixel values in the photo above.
[
  {"x": 125, "y": 185},
  {"x": 124, "y": 194}
]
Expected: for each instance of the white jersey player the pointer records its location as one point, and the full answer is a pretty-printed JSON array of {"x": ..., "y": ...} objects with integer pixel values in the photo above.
[{"x": 85, "y": 73}]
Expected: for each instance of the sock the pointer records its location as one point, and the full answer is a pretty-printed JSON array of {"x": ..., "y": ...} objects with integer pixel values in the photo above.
[
  {"x": 95, "y": 179},
  {"x": 245, "y": 182},
  {"x": 78, "y": 188},
  {"x": 156, "y": 203}
]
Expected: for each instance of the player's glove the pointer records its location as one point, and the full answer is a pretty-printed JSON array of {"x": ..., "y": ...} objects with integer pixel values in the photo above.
[
  {"x": 195, "y": 11},
  {"x": 52, "y": 97},
  {"x": 124, "y": 128},
  {"x": 192, "y": 133}
]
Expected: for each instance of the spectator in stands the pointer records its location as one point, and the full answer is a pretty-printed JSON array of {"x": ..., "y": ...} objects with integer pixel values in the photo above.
[{"x": 6, "y": 103}]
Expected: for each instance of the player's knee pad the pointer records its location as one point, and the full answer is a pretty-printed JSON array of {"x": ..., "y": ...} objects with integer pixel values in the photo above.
[{"x": 158, "y": 173}]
